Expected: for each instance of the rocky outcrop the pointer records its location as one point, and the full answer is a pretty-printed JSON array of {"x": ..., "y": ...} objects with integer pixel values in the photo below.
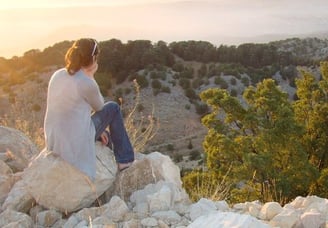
[
  {"x": 51, "y": 193},
  {"x": 16, "y": 149}
]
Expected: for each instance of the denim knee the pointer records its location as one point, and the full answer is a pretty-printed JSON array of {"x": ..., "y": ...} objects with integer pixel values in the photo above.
[{"x": 111, "y": 106}]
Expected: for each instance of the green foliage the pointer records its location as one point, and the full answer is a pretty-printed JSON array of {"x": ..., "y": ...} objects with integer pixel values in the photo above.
[
  {"x": 233, "y": 92},
  {"x": 104, "y": 82},
  {"x": 166, "y": 89},
  {"x": 233, "y": 81},
  {"x": 170, "y": 147},
  {"x": 142, "y": 81},
  {"x": 311, "y": 108},
  {"x": 184, "y": 83},
  {"x": 261, "y": 143},
  {"x": 177, "y": 158},
  {"x": 191, "y": 94},
  {"x": 201, "y": 108},
  {"x": 221, "y": 82},
  {"x": 245, "y": 81},
  {"x": 156, "y": 84},
  {"x": 194, "y": 155}
]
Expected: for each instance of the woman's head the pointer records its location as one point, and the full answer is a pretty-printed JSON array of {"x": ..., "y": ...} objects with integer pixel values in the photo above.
[{"x": 82, "y": 54}]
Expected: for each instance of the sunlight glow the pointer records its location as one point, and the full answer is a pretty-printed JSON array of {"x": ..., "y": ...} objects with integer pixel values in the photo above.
[{"x": 23, "y": 4}]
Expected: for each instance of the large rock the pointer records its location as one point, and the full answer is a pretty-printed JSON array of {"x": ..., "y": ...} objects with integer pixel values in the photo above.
[
  {"x": 149, "y": 169},
  {"x": 18, "y": 198},
  {"x": 16, "y": 149},
  {"x": 6, "y": 181},
  {"x": 55, "y": 184},
  {"x": 227, "y": 220},
  {"x": 10, "y": 218}
]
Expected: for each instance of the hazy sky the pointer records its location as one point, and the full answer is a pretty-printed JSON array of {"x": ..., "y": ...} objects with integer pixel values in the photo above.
[{"x": 38, "y": 24}]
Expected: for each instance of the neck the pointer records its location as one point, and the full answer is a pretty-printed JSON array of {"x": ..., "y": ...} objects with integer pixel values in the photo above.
[{"x": 87, "y": 72}]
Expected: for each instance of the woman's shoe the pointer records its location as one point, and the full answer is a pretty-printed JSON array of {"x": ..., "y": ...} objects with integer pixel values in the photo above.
[{"x": 123, "y": 166}]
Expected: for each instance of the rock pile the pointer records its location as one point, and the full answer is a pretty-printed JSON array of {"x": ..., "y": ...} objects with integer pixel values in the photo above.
[{"x": 50, "y": 193}]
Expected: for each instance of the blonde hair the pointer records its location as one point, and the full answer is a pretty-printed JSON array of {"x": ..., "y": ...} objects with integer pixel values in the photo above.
[{"x": 81, "y": 54}]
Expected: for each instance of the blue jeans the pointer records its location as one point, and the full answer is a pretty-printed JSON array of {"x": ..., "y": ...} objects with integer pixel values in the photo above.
[{"x": 111, "y": 116}]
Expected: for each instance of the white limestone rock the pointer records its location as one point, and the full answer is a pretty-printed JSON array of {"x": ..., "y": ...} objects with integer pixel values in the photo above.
[
  {"x": 48, "y": 218},
  {"x": 287, "y": 218},
  {"x": 63, "y": 187},
  {"x": 312, "y": 220},
  {"x": 116, "y": 209},
  {"x": 222, "y": 205},
  {"x": 17, "y": 148},
  {"x": 149, "y": 222},
  {"x": 202, "y": 207},
  {"x": 18, "y": 198},
  {"x": 227, "y": 220},
  {"x": 151, "y": 169},
  {"x": 161, "y": 200},
  {"x": 12, "y": 218},
  {"x": 269, "y": 210},
  {"x": 168, "y": 217}
]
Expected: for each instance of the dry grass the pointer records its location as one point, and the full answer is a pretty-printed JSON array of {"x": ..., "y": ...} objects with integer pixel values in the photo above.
[
  {"x": 20, "y": 115},
  {"x": 140, "y": 130}
]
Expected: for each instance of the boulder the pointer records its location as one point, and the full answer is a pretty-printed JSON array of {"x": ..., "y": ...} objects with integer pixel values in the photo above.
[
  {"x": 10, "y": 218},
  {"x": 149, "y": 169},
  {"x": 312, "y": 219},
  {"x": 269, "y": 210},
  {"x": 202, "y": 207},
  {"x": 116, "y": 210},
  {"x": 227, "y": 220},
  {"x": 55, "y": 184},
  {"x": 160, "y": 196},
  {"x": 48, "y": 218},
  {"x": 18, "y": 198},
  {"x": 16, "y": 149},
  {"x": 287, "y": 218}
]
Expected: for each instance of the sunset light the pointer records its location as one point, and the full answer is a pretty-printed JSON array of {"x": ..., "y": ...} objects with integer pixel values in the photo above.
[{"x": 37, "y": 24}]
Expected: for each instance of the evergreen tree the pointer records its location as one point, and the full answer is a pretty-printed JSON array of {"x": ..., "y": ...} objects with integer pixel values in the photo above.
[
  {"x": 312, "y": 109},
  {"x": 259, "y": 142}
]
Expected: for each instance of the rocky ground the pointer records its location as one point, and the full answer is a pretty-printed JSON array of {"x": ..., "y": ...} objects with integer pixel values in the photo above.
[{"x": 42, "y": 190}]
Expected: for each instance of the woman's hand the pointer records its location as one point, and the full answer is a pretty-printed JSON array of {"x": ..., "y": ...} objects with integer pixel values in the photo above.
[{"x": 104, "y": 138}]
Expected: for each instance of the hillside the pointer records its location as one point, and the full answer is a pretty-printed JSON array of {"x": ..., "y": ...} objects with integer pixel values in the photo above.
[{"x": 169, "y": 87}]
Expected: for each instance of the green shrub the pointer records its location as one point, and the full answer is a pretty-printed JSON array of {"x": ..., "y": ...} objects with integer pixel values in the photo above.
[
  {"x": 156, "y": 84},
  {"x": 166, "y": 89},
  {"x": 142, "y": 81}
]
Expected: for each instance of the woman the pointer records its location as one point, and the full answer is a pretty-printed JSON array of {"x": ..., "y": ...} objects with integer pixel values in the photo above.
[{"x": 70, "y": 130}]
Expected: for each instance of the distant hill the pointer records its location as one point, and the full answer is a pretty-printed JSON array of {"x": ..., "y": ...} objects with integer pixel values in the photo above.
[{"x": 170, "y": 76}]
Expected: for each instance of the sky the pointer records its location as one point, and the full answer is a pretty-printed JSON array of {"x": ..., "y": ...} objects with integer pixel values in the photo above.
[{"x": 37, "y": 24}]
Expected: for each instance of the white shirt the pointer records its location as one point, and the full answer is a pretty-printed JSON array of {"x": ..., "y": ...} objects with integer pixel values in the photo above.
[{"x": 69, "y": 130}]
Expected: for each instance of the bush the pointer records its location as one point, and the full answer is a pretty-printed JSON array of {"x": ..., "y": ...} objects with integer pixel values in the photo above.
[
  {"x": 221, "y": 82},
  {"x": 166, "y": 89},
  {"x": 245, "y": 81},
  {"x": 142, "y": 81},
  {"x": 191, "y": 94},
  {"x": 184, "y": 83},
  {"x": 170, "y": 147},
  {"x": 234, "y": 92},
  {"x": 194, "y": 155},
  {"x": 156, "y": 84},
  {"x": 177, "y": 158},
  {"x": 233, "y": 81},
  {"x": 201, "y": 108}
]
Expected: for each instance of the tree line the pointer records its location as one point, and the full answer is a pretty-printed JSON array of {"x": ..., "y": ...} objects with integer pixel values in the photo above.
[{"x": 119, "y": 60}]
